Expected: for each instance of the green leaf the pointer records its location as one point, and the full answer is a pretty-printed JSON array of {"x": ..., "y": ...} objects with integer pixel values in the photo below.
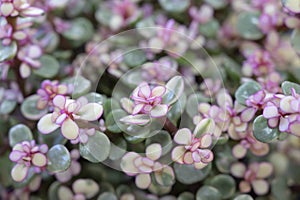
[
  {"x": 80, "y": 84},
  {"x": 188, "y": 174},
  {"x": 280, "y": 189},
  {"x": 193, "y": 102},
  {"x": 176, "y": 6},
  {"x": 225, "y": 184},
  {"x": 8, "y": 52},
  {"x": 246, "y": 90},
  {"x": 94, "y": 97},
  {"x": 7, "y": 106},
  {"x": 262, "y": 132},
  {"x": 107, "y": 196},
  {"x": 177, "y": 109},
  {"x": 29, "y": 109},
  {"x": 112, "y": 121},
  {"x": 217, "y": 4},
  {"x": 19, "y": 133},
  {"x": 52, "y": 191},
  {"x": 295, "y": 40},
  {"x": 109, "y": 105},
  {"x": 6, "y": 166},
  {"x": 186, "y": 196},
  {"x": 59, "y": 159},
  {"x": 135, "y": 58},
  {"x": 247, "y": 26},
  {"x": 223, "y": 158},
  {"x": 163, "y": 138},
  {"x": 208, "y": 193},
  {"x": 81, "y": 31},
  {"x": 49, "y": 67},
  {"x": 175, "y": 88},
  {"x": 287, "y": 86},
  {"x": 205, "y": 126},
  {"x": 52, "y": 139},
  {"x": 210, "y": 29},
  {"x": 118, "y": 149},
  {"x": 243, "y": 197},
  {"x": 96, "y": 149}
]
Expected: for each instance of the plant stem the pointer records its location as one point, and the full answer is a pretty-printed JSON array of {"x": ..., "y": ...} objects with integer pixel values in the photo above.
[{"x": 170, "y": 127}]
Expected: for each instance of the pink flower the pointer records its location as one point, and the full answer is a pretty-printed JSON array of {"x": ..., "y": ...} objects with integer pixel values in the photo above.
[
  {"x": 29, "y": 56},
  {"x": 49, "y": 89},
  {"x": 27, "y": 154},
  {"x": 149, "y": 101},
  {"x": 66, "y": 111},
  {"x": 259, "y": 63},
  {"x": 192, "y": 150},
  {"x": 15, "y": 8},
  {"x": 253, "y": 177},
  {"x": 143, "y": 168}
]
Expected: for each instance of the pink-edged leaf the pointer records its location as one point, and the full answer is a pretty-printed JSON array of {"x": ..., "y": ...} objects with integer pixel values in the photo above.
[
  {"x": 6, "y": 8},
  {"x": 143, "y": 181},
  {"x": 140, "y": 119},
  {"x": 273, "y": 122},
  {"x": 207, "y": 155},
  {"x": 137, "y": 108},
  {"x": 25, "y": 70},
  {"x": 270, "y": 112},
  {"x": 127, "y": 105},
  {"x": 183, "y": 136},
  {"x": 158, "y": 91},
  {"x": 265, "y": 169},
  {"x": 45, "y": 125},
  {"x": 294, "y": 128},
  {"x": 245, "y": 187},
  {"x": 59, "y": 101},
  {"x": 39, "y": 160},
  {"x": 61, "y": 119},
  {"x": 70, "y": 129},
  {"x": 148, "y": 162},
  {"x": 260, "y": 187},
  {"x": 144, "y": 90},
  {"x": 206, "y": 141},
  {"x": 248, "y": 114},
  {"x": 32, "y": 12},
  {"x": 238, "y": 169},
  {"x": 196, "y": 156},
  {"x": 200, "y": 165},
  {"x": 283, "y": 124},
  {"x": 188, "y": 158},
  {"x": 16, "y": 155},
  {"x": 19, "y": 172},
  {"x": 285, "y": 104},
  {"x": 90, "y": 111},
  {"x": 159, "y": 111},
  {"x": 239, "y": 151},
  {"x": 145, "y": 169},
  {"x": 154, "y": 151},
  {"x": 127, "y": 163},
  {"x": 177, "y": 154}
]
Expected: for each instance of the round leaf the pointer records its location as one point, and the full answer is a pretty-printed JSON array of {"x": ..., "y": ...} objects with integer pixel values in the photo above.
[
  {"x": 188, "y": 174},
  {"x": 246, "y": 90},
  {"x": 94, "y": 97},
  {"x": 29, "y": 109},
  {"x": 7, "y": 106},
  {"x": 210, "y": 29},
  {"x": 80, "y": 84},
  {"x": 7, "y": 52},
  {"x": 135, "y": 58},
  {"x": 49, "y": 67},
  {"x": 112, "y": 121},
  {"x": 96, "y": 149},
  {"x": 287, "y": 86},
  {"x": 225, "y": 184},
  {"x": 262, "y": 132},
  {"x": 176, "y": 6},
  {"x": 175, "y": 88},
  {"x": 208, "y": 193},
  {"x": 59, "y": 159},
  {"x": 19, "y": 133},
  {"x": 118, "y": 149},
  {"x": 243, "y": 197},
  {"x": 163, "y": 138},
  {"x": 247, "y": 26},
  {"x": 186, "y": 196},
  {"x": 107, "y": 196}
]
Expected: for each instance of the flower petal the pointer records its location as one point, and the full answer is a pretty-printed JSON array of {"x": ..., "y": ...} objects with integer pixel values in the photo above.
[
  {"x": 143, "y": 181},
  {"x": 90, "y": 111},
  {"x": 69, "y": 129},
  {"x": 39, "y": 160},
  {"x": 183, "y": 136},
  {"x": 45, "y": 125},
  {"x": 19, "y": 172},
  {"x": 159, "y": 111}
]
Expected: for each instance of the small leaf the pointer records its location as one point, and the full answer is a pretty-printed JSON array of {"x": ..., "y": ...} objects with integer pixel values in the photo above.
[
  {"x": 246, "y": 90},
  {"x": 81, "y": 85},
  {"x": 210, "y": 29},
  {"x": 193, "y": 102},
  {"x": 188, "y": 174},
  {"x": 94, "y": 97},
  {"x": 52, "y": 139},
  {"x": 7, "y": 106},
  {"x": 243, "y": 197},
  {"x": 225, "y": 184},
  {"x": 135, "y": 58},
  {"x": 291, "y": 5},
  {"x": 88, "y": 187},
  {"x": 176, "y": 6},
  {"x": 113, "y": 122},
  {"x": 19, "y": 133},
  {"x": 186, "y": 196},
  {"x": 208, "y": 193},
  {"x": 247, "y": 26},
  {"x": 59, "y": 159},
  {"x": 206, "y": 125},
  {"x": 118, "y": 149},
  {"x": 96, "y": 149},
  {"x": 29, "y": 109},
  {"x": 163, "y": 138},
  {"x": 49, "y": 67},
  {"x": 175, "y": 88},
  {"x": 107, "y": 196},
  {"x": 140, "y": 119},
  {"x": 53, "y": 190},
  {"x": 287, "y": 86},
  {"x": 7, "y": 52},
  {"x": 262, "y": 132}
]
